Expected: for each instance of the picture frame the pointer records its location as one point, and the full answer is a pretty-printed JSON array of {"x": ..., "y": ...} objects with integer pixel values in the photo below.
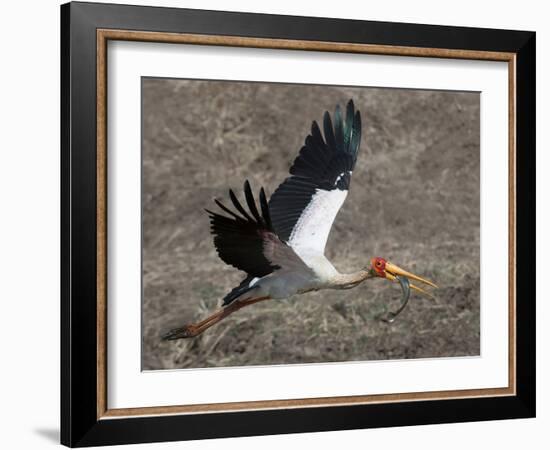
[{"x": 86, "y": 29}]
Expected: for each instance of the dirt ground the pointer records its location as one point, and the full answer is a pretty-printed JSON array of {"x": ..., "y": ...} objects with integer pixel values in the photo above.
[{"x": 414, "y": 200}]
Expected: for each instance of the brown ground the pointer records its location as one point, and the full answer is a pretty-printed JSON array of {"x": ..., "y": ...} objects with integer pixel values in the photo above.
[{"x": 414, "y": 200}]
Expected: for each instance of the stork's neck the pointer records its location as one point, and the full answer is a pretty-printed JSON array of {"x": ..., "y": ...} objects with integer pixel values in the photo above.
[{"x": 349, "y": 280}]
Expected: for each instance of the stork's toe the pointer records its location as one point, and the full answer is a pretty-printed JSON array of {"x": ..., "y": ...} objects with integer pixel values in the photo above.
[{"x": 180, "y": 333}]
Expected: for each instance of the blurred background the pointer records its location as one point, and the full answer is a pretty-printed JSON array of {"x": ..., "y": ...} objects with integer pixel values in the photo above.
[{"x": 414, "y": 200}]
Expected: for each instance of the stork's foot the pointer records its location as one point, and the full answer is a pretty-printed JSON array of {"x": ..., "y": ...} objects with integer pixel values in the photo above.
[
  {"x": 197, "y": 328},
  {"x": 187, "y": 331}
]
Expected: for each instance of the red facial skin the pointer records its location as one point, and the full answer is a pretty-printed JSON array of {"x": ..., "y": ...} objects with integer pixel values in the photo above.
[{"x": 379, "y": 266}]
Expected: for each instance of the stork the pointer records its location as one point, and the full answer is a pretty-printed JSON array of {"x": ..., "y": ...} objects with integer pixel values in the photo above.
[{"x": 281, "y": 245}]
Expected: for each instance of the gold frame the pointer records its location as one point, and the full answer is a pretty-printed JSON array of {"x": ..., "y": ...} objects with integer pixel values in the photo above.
[{"x": 103, "y": 36}]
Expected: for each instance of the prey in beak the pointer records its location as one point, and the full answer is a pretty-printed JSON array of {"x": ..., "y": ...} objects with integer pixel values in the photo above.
[{"x": 384, "y": 269}]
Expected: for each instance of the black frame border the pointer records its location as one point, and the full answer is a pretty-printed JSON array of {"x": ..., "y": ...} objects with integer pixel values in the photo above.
[{"x": 79, "y": 423}]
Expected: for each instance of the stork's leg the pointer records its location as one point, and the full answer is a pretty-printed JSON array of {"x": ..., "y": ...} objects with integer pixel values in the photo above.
[{"x": 194, "y": 329}]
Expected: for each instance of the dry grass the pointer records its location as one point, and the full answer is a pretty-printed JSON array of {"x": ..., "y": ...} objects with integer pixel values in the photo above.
[{"x": 414, "y": 199}]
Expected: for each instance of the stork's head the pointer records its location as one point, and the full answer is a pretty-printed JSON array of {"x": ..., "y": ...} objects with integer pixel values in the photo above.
[{"x": 384, "y": 269}]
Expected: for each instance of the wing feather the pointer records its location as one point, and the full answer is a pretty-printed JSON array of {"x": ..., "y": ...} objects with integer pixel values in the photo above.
[
  {"x": 238, "y": 205},
  {"x": 251, "y": 202}
]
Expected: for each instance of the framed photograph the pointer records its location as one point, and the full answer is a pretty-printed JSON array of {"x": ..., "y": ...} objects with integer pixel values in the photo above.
[{"x": 277, "y": 224}]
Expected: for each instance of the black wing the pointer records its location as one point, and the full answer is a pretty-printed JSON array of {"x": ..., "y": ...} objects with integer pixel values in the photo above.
[
  {"x": 248, "y": 242},
  {"x": 324, "y": 166},
  {"x": 239, "y": 239}
]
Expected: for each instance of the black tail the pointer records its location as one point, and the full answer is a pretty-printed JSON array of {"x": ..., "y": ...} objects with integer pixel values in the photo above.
[{"x": 238, "y": 291}]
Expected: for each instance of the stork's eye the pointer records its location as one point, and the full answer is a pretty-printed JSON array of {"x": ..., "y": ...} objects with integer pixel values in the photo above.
[{"x": 378, "y": 264}]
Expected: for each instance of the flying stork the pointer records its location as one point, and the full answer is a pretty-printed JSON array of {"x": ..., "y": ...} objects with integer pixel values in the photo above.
[{"x": 281, "y": 245}]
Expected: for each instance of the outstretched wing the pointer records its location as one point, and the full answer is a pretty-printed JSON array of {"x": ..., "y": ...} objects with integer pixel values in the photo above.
[
  {"x": 246, "y": 240},
  {"x": 239, "y": 239},
  {"x": 304, "y": 206}
]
